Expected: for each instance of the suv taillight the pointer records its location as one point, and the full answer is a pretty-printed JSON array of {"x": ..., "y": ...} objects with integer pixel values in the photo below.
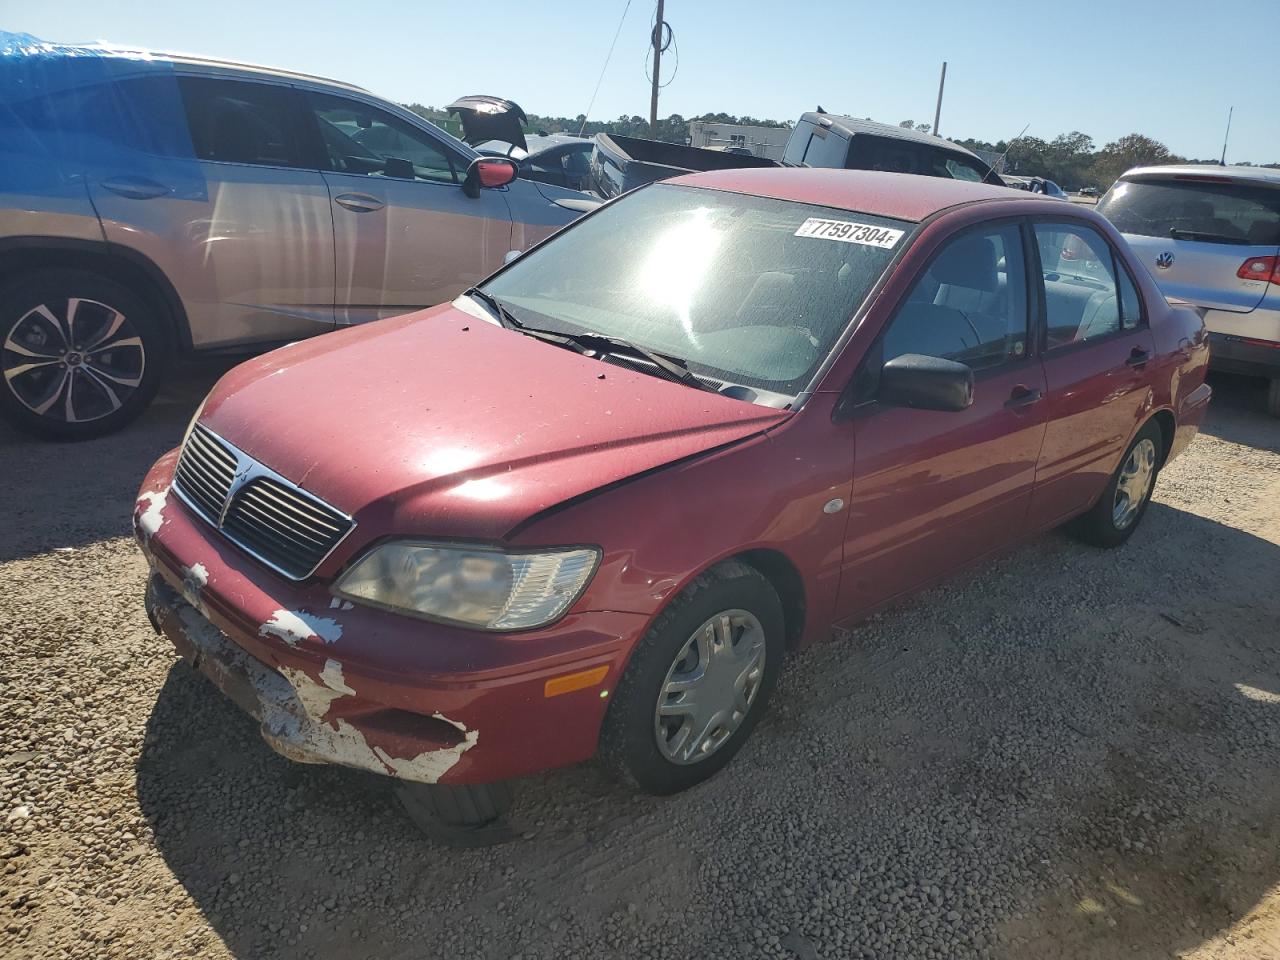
[{"x": 1260, "y": 268}]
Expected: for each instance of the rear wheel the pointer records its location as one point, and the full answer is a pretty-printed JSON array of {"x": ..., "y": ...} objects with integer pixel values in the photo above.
[
  {"x": 80, "y": 355},
  {"x": 1273, "y": 397},
  {"x": 697, "y": 683},
  {"x": 1122, "y": 505}
]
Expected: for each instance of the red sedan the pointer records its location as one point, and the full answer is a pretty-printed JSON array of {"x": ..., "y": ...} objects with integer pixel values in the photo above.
[{"x": 589, "y": 506}]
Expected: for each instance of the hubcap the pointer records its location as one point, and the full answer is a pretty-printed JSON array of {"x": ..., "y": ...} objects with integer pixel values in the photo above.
[
  {"x": 1134, "y": 484},
  {"x": 75, "y": 363},
  {"x": 709, "y": 689}
]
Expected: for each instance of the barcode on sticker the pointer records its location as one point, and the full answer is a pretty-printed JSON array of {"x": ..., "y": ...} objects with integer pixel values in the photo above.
[{"x": 847, "y": 232}]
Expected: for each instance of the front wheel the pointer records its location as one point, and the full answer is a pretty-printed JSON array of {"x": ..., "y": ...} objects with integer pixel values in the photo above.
[
  {"x": 697, "y": 682},
  {"x": 80, "y": 354},
  {"x": 1123, "y": 503},
  {"x": 1273, "y": 397}
]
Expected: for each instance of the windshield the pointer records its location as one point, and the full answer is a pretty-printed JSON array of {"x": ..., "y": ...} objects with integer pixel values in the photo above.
[
  {"x": 1206, "y": 210},
  {"x": 744, "y": 290}
]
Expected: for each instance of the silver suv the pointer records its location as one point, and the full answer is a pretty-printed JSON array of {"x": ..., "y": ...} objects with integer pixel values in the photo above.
[
  {"x": 1211, "y": 236},
  {"x": 153, "y": 206}
]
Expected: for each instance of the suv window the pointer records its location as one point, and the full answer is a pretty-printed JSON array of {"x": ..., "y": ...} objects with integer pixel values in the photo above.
[
  {"x": 237, "y": 121},
  {"x": 1083, "y": 298},
  {"x": 359, "y": 138},
  {"x": 970, "y": 304},
  {"x": 1195, "y": 209}
]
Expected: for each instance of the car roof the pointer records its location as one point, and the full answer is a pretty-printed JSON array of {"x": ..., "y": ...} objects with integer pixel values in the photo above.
[
  {"x": 904, "y": 196},
  {"x": 1267, "y": 175},
  {"x": 852, "y": 126},
  {"x": 161, "y": 59}
]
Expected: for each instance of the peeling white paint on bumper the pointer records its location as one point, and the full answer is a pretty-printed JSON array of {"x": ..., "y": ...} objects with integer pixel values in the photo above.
[{"x": 292, "y": 707}]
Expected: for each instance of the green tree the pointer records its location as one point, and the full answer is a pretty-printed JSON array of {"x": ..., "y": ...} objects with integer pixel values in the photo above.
[{"x": 1134, "y": 150}]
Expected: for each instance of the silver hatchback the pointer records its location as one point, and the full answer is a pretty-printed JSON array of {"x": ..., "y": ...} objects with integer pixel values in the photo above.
[
  {"x": 154, "y": 206},
  {"x": 1210, "y": 235}
]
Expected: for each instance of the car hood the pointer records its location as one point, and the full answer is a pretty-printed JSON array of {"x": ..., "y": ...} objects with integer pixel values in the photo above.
[{"x": 444, "y": 425}]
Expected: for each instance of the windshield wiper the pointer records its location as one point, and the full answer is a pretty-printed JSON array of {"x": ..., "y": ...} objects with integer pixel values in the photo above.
[
  {"x": 596, "y": 342},
  {"x": 1179, "y": 234},
  {"x": 672, "y": 366}
]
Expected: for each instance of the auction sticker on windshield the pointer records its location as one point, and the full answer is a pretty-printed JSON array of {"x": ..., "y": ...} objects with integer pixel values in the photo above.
[{"x": 847, "y": 232}]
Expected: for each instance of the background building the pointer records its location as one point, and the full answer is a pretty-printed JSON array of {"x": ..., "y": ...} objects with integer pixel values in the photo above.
[{"x": 765, "y": 142}]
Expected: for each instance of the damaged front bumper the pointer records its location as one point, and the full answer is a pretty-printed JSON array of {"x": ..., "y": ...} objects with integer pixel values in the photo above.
[
  {"x": 292, "y": 709},
  {"x": 333, "y": 682}
]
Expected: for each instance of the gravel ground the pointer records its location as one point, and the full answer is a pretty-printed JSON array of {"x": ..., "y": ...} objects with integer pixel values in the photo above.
[{"x": 1067, "y": 753}]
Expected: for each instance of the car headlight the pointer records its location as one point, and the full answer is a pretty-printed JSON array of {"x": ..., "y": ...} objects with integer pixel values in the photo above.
[{"x": 475, "y": 586}]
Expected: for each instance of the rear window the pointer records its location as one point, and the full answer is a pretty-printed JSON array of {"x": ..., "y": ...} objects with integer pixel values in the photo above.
[
  {"x": 905, "y": 156},
  {"x": 1202, "y": 210},
  {"x": 826, "y": 149}
]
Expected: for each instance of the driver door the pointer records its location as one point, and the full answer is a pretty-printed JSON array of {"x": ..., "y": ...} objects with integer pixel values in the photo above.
[
  {"x": 405, "y": 235},
  {"x": 934, "y": 490}
]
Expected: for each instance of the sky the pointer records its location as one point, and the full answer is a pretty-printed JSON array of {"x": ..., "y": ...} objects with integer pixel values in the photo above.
[{"x": 1168, "y": 69}]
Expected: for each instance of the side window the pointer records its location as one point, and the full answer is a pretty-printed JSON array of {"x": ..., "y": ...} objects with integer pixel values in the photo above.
[
  {"x": 359, "y": 138},
  {"x": 238, "y": 121},
  {"x": 578, "y": 163},
  {"x": 1081, "y": 297},
  {"x": 969, "y": 305}
]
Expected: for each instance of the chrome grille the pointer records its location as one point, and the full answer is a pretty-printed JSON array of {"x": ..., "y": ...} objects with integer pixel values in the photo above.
[
  {"x": 205, "y": 471},
  {"x": 255, "y": 508}
]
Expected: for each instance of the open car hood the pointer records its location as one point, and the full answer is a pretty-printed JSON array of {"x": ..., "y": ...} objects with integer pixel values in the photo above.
[{"x": 490, "y": 118}]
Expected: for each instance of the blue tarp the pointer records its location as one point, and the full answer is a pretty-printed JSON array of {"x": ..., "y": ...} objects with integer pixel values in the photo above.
[{"x": 71, "y": 111}]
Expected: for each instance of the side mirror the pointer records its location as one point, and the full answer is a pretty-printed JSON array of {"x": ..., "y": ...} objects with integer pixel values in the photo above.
[
  {"x": 488, "y": 172},
  {"x": 926, "y": 383}
]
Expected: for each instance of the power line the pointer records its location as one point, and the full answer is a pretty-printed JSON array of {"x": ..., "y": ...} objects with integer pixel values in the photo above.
[{"x": 609, "y": 57}]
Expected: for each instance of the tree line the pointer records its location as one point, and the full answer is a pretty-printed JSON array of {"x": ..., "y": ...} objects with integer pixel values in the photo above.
[{"x": 1071, "y": 160}]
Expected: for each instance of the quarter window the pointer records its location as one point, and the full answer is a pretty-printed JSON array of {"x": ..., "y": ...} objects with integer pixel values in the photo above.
[
  {"x": 359, "y": 138},
  {"x": 970, "y": 304},
  {"x": 234, "y": 121},
  {"x": 1083, "y": 298}
]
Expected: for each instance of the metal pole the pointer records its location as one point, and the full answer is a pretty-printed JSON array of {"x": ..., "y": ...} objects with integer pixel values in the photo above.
[
  {"x": 937, "y": 113},
  {"x": 1223, "y": 161},
  {"x": 656, "y": 40}
]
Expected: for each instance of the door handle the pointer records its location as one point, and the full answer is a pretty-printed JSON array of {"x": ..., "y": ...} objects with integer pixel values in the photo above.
[
  {"x": 1023, "y": 397},
  {"x": 135, "y": 188},
  {"x": 1138, "y": 357},
  {"x": 359, "y": 202}
]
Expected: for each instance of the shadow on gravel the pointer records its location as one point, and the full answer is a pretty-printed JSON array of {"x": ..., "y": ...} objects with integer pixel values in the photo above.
[
  {"x": 75, "y": 494},
  {"x": 1238, "y": 412},
  {"x": 1072, "y": 753}
]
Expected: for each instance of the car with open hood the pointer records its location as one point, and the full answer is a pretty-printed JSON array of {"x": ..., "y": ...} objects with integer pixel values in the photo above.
[{"x": 590, "y": 505}]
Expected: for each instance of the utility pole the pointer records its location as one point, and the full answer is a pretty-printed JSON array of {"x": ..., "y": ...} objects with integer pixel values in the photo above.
[
  {"x": 937, "y": 113},
  {"x": 656, "y": 40}
]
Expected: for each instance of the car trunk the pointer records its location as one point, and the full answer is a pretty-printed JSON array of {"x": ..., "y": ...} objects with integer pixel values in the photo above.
[{"x": 490, "y": 118}]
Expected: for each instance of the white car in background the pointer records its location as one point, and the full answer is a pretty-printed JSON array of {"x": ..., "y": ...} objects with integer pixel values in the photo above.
[{"x": 1211, "y": 236}]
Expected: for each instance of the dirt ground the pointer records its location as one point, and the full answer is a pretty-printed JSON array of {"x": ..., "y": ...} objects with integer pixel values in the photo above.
[{"x": 1069, "y": 753}]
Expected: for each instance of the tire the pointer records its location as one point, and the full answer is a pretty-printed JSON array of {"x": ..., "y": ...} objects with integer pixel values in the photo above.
[
  {"x": 1273, "y": 397},
  {"x": 1112, "y": 520},
  {"x": 650, "y": 752},
  {"x": 52, "y": 390}
]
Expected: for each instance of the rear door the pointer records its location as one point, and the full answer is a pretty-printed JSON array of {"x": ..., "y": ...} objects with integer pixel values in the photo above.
[
  {"x": 405, "y": 235},
  {"x": 243, "y": 230},
  {"x": 1195, "y": 232},
  {"x": 933, "y": 490},
  {"x": 1097, "y": 350}
]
